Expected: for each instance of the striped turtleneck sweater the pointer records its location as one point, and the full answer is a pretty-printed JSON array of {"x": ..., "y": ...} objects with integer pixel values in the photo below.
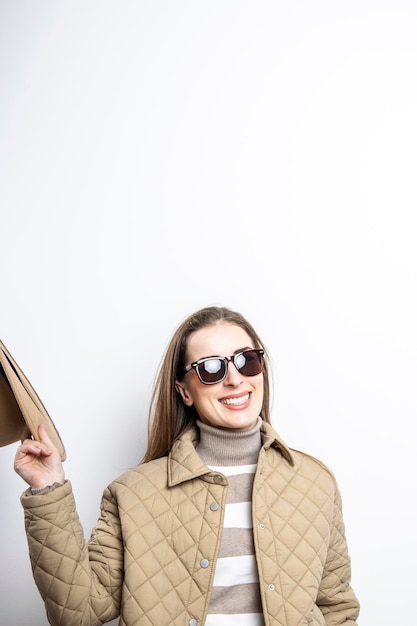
[{"x": 235, "y": 599}]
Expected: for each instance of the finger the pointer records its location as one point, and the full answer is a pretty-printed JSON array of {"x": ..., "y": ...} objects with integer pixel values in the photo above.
[
  {"x": 34, "y": 448},
  {"x": 44, "y": 437}
]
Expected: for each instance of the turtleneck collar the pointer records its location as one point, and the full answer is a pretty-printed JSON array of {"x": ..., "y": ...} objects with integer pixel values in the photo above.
[{"x": 229, "y": 447}]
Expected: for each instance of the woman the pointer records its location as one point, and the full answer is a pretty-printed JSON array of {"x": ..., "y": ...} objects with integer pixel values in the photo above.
[{"x": 222, "y": 524}]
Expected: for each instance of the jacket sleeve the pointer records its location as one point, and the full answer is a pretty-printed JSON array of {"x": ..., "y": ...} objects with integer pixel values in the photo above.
[
  {"x": 80, "y": 583},
  {"x": 336, "y": 598}
]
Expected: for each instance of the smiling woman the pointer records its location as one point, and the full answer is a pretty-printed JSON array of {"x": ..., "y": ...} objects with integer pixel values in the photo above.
[
  {"x": 220, "y": 524},
  {"x": 234, "y": 398}
]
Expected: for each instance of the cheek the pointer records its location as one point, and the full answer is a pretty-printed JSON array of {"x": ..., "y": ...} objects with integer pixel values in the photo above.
[
  {"x": 202, "y": 395},
  {"x": 195, "y": 393},
  {"x": 260, "y": 390}
]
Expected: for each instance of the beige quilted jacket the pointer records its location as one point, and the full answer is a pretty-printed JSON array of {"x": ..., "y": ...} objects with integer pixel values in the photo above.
[{"x": 152, "y": 555}]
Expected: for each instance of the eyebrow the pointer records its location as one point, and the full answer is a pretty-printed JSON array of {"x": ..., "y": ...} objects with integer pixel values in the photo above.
[{"x": 216, "y": 356}]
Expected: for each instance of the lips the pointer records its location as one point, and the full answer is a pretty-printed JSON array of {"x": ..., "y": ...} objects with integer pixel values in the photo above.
[{"x": 237, "y": 401}]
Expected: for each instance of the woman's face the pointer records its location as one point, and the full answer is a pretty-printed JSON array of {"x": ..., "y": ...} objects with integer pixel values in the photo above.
[{"x": 236, "y": 401}]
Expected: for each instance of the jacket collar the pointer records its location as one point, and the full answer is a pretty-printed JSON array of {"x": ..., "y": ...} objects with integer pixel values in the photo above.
[
  {"x": 270, "y": 439},
  {"x": 185, "y": 464}
]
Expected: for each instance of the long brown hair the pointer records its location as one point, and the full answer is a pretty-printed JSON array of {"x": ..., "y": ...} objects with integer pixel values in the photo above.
[{"x": 168, "y": 416}]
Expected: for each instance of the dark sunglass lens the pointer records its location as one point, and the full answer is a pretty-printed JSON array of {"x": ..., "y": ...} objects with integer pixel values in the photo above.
[
  {"x": 249, "y": 363},
  {"x": 212, "y": 370}
]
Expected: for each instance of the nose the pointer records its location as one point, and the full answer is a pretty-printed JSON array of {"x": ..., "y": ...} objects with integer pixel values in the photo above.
[{"x": 233, "y": 377}]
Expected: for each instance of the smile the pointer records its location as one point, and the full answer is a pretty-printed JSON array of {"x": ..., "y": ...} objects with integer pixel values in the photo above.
[{"x": 236, "y": 401}]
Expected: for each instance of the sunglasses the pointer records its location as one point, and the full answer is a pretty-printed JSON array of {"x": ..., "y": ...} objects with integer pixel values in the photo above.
[{"x": 213, "y": 369}]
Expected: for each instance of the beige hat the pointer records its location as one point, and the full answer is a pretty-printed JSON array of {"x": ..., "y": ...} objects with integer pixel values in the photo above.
[{"x": 20, "y": 405}]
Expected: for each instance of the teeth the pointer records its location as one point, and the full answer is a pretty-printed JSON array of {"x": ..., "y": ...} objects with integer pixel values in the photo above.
[{"x": 236, "y": 401}]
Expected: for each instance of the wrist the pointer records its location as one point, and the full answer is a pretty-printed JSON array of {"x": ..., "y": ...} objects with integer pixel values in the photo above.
[
  {"x": 37, "y": 483},
  {"x": 45, "y": 489}
]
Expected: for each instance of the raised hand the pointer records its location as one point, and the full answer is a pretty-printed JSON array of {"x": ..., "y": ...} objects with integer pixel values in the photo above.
[{"x": 38, "y": 462}]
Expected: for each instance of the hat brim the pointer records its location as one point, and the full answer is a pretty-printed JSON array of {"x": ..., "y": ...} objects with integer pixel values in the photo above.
[{"x": 20, "y": 405}]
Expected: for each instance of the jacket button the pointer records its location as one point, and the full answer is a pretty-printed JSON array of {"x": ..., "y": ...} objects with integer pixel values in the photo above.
[
  {"x": 214, "y": 506},
  {"x": 204, "y": 563},
  {"x": 218, "y": 479},
  {"x": 271, "y": 587},
  {"x": 192, "y": 622},
  {"x": 262, "y": 526}
]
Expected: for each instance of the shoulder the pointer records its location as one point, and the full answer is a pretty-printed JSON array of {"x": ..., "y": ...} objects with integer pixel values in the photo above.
[
  {"x": 311, "y": 474},
  {"x": 302, "y": 458},
  {"x": 305, "y": 474},
  {"x": 297, "y": 460},
  {"x": 146, "y": 476}
]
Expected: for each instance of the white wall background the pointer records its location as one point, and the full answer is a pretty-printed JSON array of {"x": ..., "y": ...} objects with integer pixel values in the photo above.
[{"x": 157, "y": 157}]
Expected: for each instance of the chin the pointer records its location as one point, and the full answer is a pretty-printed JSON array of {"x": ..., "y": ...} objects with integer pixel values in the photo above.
[{"x": 246, "y": 424}]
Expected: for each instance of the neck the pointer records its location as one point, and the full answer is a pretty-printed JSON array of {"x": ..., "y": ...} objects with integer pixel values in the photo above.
[{"x": 229, "y": 447}]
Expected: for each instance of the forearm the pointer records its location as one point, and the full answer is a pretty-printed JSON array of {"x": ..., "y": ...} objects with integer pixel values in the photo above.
[{"x": 67, "y": 576}]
